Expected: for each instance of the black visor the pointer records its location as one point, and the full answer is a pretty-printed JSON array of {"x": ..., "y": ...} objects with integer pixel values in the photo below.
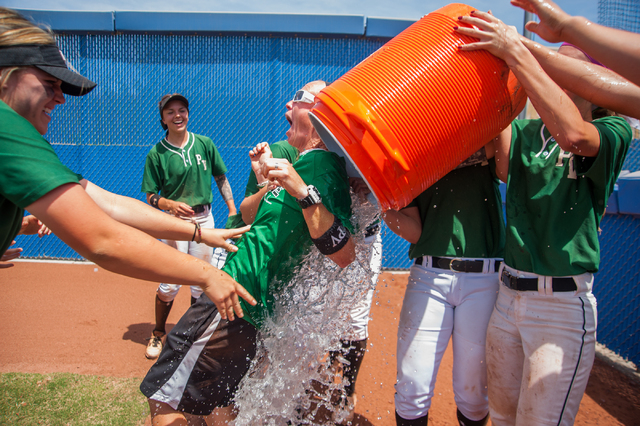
[{"x": 48, "y": 58}]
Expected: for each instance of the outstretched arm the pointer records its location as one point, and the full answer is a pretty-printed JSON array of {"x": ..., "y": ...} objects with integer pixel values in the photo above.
[
  {"x": 152, "y": 221},
  {"x": 73, "y": 216},
  {"x": 562, "y": 118},
  {"x": 617, "y": 49},
  {"x": 596, "y": 84}
]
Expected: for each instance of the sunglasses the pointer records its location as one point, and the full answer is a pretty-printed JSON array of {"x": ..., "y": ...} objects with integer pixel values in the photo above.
[{"x": 305, "y": 97}]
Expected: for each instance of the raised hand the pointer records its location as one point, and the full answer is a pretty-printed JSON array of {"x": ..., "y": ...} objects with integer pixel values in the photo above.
[
  {"x": 494, "y": 35},
  {"x": 552, "y": 18}
]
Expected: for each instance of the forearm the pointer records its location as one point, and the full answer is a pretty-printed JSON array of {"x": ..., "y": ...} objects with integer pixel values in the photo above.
[
  {"x": 319, "y": 220},
  {"x": 231, "y": 206},
  {"x": 594, "y": 83},
  {"x": 139, "y": 215},
  {"x": 149, "y": 259},
  {"x": 617, "y": 49},
  {"x": 560, "y": 115},
  {"x": 225, "y": 191},
  {"x": 249, "y": 206},
  {"x": 502, "y": 151},
  {"x": 86, "y": 228}
]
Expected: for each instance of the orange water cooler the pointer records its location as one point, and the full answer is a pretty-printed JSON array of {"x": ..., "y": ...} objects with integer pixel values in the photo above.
[{"x": 416, "y": 108}]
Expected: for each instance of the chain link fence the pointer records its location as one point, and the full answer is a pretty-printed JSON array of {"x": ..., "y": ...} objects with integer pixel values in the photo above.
[{"x": 237, "y": 87}]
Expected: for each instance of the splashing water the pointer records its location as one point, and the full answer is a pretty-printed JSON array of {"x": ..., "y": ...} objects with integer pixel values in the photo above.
[{"x": 290, "y": 381}]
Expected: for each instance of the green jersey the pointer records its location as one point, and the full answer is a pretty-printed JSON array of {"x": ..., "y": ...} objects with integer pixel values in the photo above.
[
  {"x": 280, "y": 149},
  {"x": 555, "y": 199},
  {"x": 269, "y": 253},
  {"x": 462, "y": 215},
  {"x": 30, "y": 169},
  {"x": 183, "y": 174}
]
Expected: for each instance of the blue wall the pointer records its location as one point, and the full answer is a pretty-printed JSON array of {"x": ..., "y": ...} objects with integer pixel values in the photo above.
[{"x": 237, "y": 70}]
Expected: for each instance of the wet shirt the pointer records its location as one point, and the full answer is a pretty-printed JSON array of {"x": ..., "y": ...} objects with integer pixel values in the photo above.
[
  {"x": 556, "y": 199},
  {"x": 462, "y": 215},
  {"x": 30, "y": 169},
  {"x": 280, "y": 149},
  {"x": 183, "y": 174},
  {"x": 269, "y": 253}
]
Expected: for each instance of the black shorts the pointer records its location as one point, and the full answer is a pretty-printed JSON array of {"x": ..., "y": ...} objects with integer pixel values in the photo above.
[{"x": 202, "y": 362}]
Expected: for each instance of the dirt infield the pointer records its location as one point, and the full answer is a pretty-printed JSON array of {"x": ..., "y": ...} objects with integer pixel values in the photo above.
[{"x": 82, "y": 319}]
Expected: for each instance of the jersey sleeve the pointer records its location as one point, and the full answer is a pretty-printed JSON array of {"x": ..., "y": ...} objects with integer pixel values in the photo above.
[
  {"x": 151, "y": 177},
  {"x": 215, "y": 159},
  {"x": 603, "y": 170},
  {"x": 328, "y": 174},
  {"x": 30, "y": 166}
]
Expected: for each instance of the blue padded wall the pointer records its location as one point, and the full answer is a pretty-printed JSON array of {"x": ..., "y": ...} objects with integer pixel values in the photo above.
[{"x": 237, "y": 88}]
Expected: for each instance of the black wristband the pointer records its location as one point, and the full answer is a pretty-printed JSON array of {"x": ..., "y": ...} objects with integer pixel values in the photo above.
[
  {"x": 154, "y": 200},
  {"x": 197, "y": 228},
  {"x": 334, "y": 239}
]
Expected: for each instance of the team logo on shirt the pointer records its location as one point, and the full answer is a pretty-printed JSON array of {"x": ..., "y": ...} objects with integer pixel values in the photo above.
[
  {"x": 200, "y": 160},
  {"x": 549, "y": 145},
  {"x": 272, "y": 194}
]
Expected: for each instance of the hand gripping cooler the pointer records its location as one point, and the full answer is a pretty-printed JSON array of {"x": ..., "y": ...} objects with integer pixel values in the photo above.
[{"x": 416, "y": 108}]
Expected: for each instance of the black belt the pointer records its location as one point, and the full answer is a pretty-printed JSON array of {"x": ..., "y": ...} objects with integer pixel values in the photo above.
[
  {"x": 457, "y": 265},
  {"x": 201, "y": 208},
  {"x": 531, "y": 284},
  {"x": 371, "y": 230}
]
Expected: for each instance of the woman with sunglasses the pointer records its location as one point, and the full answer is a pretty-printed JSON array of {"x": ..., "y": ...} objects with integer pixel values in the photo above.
[{"x": 118, "y": 233}]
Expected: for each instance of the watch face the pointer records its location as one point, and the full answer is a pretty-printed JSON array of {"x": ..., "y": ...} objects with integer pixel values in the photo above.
[{"x": 312, "y": 198}]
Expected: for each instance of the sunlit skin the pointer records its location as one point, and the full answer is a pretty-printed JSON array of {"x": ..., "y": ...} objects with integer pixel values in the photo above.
[
  {"x": 616, "y": 49},
  {"x": 583, "y": 106},
  {"x": 33, "y": 94},
  {"x": 598, "y": 85},
  {"x": 563, "y": 119},
  {"x": 300, "y": 128}
]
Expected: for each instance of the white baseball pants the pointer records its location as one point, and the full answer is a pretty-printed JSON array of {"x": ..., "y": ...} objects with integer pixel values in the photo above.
[
  {"x": 439, "y": 305},
  {"x": 540, "y": 350}
]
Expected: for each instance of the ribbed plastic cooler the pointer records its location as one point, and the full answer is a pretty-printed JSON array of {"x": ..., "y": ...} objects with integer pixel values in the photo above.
[{"x": 416, "y": 108}]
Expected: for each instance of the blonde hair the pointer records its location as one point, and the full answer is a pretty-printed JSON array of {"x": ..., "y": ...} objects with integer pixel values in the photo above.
[{"x": 16, "y": 30}]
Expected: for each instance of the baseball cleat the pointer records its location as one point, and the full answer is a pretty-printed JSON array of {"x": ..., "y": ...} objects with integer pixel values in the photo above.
[{"x": 154, "y": 347}]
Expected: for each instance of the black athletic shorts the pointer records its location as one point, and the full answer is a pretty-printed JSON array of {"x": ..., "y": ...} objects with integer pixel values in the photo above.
[{"x": 202, "y": 362}]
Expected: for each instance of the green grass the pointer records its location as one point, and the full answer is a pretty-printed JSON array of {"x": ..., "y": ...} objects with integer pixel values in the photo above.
[{"x": 70, "y": 400}]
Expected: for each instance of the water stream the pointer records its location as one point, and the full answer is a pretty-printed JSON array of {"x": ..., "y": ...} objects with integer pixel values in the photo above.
[{"x": 289, "y": 382}]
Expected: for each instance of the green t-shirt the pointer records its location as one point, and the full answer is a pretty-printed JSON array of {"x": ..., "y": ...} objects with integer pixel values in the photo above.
[
  {"x": 30, "y": 169},
  {"x": 555, "y": 199},
  {"x": 183, "y": 174},
  {"x": 461, "y": 215},
  {"x": 280, "y": 149},
  {"x": 273, "y": 248}
]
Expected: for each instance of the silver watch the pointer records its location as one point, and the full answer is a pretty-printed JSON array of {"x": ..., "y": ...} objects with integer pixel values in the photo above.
[{"x": 311, "y": 199}]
